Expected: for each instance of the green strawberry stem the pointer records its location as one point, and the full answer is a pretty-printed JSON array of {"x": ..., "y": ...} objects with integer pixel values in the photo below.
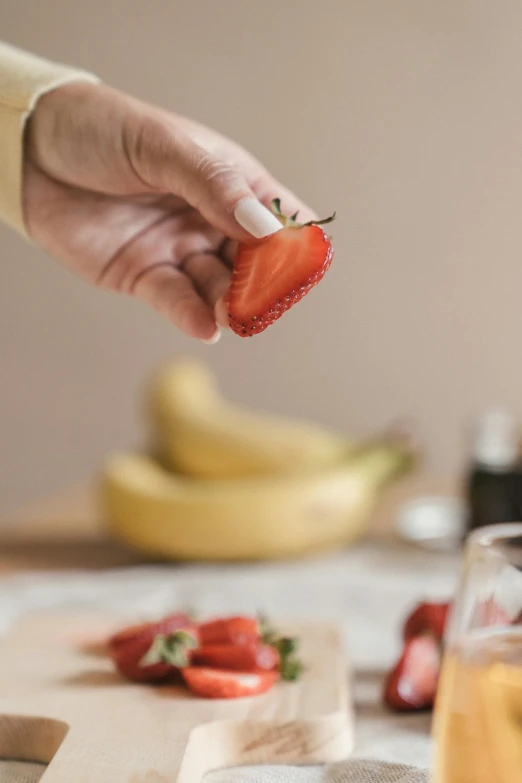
[
  {"x": 290, "y": 221},
  {"x": 290, "y": 666},
  {"x": 266, "y": 629},
  {"x": 172, "y": 649},
  {"x": 292, "y": 669}
]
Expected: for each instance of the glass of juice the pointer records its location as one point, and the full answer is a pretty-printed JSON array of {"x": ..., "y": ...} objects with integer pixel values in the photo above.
[{"x": 478, "y": 715}]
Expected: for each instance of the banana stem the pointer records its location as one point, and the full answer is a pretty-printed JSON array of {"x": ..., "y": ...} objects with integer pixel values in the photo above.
[{"x": 384, "y": 461}]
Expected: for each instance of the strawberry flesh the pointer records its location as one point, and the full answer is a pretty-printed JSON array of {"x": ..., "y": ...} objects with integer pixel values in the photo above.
[
  {"x": 272, "y": 276},
  {"x": 412, "y": 684},
  {"x": 229, "y": 630},
  {"x": 248, "y": 657},
  {"x": 208, "y": 683}
]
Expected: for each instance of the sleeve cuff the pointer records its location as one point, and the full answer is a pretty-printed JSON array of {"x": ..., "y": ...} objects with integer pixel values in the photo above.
[{"x": 23, "y": 79}]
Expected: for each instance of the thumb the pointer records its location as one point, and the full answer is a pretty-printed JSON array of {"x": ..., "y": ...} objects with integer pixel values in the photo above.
[{"x": 218, "y": 190}]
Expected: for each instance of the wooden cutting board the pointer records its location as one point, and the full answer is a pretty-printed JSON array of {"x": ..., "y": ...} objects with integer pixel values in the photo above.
[{"x": 62, "y": 703}]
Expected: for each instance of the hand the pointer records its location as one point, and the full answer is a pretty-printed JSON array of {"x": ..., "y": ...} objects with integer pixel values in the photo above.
[{"x": 144, "y": 202}]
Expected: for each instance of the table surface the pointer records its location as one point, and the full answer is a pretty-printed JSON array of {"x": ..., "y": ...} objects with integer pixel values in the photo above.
[{"x": 65, "y": 530}]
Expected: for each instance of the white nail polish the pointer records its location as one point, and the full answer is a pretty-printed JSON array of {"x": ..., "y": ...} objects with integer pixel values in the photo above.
[
  {"x": 255, "y": 218},
  {"x": 216, "y": 337}
]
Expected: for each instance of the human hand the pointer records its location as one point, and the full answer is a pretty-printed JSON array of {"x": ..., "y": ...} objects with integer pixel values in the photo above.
[{"x": 144, "y": 202}]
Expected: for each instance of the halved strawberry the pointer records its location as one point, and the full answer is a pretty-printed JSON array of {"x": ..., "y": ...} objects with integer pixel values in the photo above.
[
  {"x": 489, "y": 612},
  {"x": 168, "y": 624},
  {"x": 229, "y": 630},
  {"x": 412, "y": 684},
  {"x": 270, "y": 276},
  {"x": 128, "y": 648},
  {"x": 427, "y": 616},
  {"x": 220, "y": 684},
  {"x": 248, "y": 657}
]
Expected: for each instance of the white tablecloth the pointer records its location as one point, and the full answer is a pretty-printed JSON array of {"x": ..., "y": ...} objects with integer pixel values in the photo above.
[{"x": 366, "y": 589}]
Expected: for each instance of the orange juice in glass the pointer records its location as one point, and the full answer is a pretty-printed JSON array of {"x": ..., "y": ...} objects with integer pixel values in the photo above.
[{"x": 478, "y": 715}]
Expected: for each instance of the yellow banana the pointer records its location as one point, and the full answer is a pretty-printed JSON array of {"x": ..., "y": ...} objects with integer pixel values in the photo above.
[
  {"x": 200, "y": 434},
  {"x": 173, "y": 517}
]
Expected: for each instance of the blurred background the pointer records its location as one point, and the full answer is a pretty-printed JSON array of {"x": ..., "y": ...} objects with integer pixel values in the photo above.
[{"x": 403, "y": 116}]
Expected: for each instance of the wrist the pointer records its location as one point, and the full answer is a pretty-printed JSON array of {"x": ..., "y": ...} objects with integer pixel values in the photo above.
[{"x": 53, "y": 118}]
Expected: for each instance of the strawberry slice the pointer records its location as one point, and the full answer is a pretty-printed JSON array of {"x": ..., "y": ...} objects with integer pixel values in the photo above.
[
  {"x": 489, "y": 612},
  {"x": 168, "y": 624},
  {"x": 248, "y": 657},
  {"x": 427, "y": 617},
  {"x": 270, "y": 276},
  {"x": 220, "y": 684},
  {"x": 130, "y": 647},
  {"x": 412, "y": 684},
  {"x": 229, "y": 630}
]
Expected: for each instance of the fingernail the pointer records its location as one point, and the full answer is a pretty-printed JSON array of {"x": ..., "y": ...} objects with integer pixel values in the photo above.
[
  {"x": 255, "y": 218},
  {"x": 216, "y": 337},
  {"x": 221, "y": 314}
]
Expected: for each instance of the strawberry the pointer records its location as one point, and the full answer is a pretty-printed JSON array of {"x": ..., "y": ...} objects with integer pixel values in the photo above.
[
  {"x": 130, "y": 647},
  {"x": 270, "y": 276},
  {"x": 220, "y": 684},
  {"x": 248, "y": 657},
  {"x": 168, "y": 624},
  {"x": 412, "y": 684},
  {"x": 229, "y": 630},
  {"x": 427, "y": 617},
  {"x": 128, "y": 662},
  {"x": 488, "y": 612}
]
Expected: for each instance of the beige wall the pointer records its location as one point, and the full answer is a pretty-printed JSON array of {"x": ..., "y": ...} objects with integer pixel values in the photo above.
[{"x": 404, "y": 115}]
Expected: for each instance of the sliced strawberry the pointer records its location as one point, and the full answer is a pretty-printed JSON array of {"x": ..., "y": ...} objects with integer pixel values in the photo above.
[
  {"x": 128, "y": 661},
  {"x": 426, "y": 617},
  {"x": 271, "y": 276},
  {"x": 128, "y": 648},
  {"x": 412, "y": 684},
  {"x": 168, "y": 624},
  {"x": 229, "y": 630},
  {"x": 248, "y": 657},
  {"x": 220, "y": 684},
  {"x": 488, "y": 612}
]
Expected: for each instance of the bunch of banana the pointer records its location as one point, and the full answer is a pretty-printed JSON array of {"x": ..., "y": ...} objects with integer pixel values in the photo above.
[{"x": 228, "y": 484}]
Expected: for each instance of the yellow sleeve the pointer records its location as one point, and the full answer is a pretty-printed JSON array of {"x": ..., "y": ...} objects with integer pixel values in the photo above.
[{"x": 23, "y": 79}]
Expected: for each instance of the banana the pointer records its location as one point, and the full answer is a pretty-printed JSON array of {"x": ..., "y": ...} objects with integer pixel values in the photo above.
[
  {"x": 174, "y": 517},
  {"x": 200, "y": 434}
]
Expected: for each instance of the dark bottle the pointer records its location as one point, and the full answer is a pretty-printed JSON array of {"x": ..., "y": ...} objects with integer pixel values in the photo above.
[{"x": 494, "y": 481}]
